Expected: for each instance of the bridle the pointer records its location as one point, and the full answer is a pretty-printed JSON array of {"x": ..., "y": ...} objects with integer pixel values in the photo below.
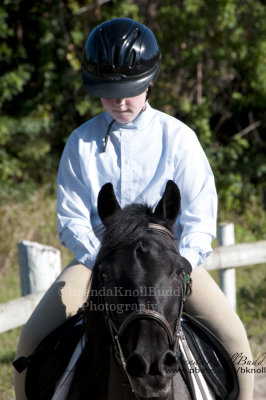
[{"x": 152, "y": 315}]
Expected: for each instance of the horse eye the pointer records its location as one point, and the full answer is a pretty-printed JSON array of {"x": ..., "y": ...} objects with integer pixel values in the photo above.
[
  {"x": 106, "y": 276},
  {"x": 179, "y": 272}
]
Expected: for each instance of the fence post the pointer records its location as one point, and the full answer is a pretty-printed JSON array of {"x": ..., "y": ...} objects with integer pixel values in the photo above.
[
  {"x": 39, "y": 266},
  {"x": 228, "y": 276}
]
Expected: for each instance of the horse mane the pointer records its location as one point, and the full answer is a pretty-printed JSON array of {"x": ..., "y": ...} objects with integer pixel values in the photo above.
[
  {"x": 124, "y": 227},
  {"x": 92, "y": 368}
]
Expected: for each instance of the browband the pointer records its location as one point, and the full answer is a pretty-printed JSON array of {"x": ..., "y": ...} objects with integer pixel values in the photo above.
[{"x": 161, "y": 229}]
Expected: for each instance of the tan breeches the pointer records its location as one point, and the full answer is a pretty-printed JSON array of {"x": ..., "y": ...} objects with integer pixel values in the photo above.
[
  {"x": 210, "y": 306},
  {"x": 207, "y": 303}
]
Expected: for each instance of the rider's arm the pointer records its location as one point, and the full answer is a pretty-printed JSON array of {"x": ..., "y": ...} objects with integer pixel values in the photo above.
[
  {"x": 197, "y": 220},
  {"x": 74, "y": 207}
]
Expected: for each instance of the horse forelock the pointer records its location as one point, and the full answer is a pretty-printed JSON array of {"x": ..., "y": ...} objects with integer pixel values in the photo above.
[{"x": 124, "y": 227}]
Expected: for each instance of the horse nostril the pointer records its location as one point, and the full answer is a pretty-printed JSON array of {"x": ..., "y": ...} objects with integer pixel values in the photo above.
[
  {"x": 136, "y": 365},
  {"x": 168, "y": 362}
]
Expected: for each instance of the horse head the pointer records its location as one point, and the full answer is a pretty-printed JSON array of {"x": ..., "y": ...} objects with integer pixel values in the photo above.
[{"x": 142, "y": 277}]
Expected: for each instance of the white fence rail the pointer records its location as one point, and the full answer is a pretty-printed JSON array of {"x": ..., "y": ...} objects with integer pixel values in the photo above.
[
  {"x": 238, "y": 255},
  {"x": 39, "y": 266},
  {"x": 16, "y": 312},
  {"x": 228, "y": 256},
  {"x": 224, "y": 258}
]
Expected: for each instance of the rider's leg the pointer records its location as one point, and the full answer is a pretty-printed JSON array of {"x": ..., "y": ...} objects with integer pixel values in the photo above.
[
  {"x": 209, "y": 305},
  {"x": 62, "y": 300}
]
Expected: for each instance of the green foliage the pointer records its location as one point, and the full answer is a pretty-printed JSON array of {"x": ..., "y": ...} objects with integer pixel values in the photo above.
[
  {"x": 251, "y": 294},
  {"x": 213, "y": 77}
]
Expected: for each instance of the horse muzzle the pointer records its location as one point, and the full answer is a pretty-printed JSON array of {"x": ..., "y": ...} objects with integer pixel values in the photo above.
[{"x": 152, "y": 380}]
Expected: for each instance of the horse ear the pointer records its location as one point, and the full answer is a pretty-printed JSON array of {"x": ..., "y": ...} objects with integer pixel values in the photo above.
[
  {"x": 169, "y": 205},
  {"x": 107, "y": 202}
]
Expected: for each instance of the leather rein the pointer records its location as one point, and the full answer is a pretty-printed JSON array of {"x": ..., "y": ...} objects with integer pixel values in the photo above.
[{"x": 173, "y": 335}]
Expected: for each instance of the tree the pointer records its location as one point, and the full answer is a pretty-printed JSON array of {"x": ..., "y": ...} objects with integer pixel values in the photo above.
[
  {"x": 41, "y": 93},
  {"x": 215, "y": 77}
]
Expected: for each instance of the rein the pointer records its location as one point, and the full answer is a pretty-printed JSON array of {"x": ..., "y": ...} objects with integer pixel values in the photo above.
[{"x": 173, "y": 336}]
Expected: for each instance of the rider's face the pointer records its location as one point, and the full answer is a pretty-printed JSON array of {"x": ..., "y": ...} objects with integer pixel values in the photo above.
[{"x": 125, "y": 110}]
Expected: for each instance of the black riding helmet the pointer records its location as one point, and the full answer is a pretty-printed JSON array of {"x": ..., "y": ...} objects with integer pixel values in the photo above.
[{"x": 121, "y": 59}]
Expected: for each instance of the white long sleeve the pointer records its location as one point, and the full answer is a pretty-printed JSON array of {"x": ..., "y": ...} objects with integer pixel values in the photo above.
[{"x": 140, "y": 158}]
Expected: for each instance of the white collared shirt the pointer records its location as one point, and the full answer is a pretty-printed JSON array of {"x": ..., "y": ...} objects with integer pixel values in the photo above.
[{"x": 140, "y": 157}]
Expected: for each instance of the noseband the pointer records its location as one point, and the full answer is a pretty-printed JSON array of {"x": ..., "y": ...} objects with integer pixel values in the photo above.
[{"x": 152, "y": 315}]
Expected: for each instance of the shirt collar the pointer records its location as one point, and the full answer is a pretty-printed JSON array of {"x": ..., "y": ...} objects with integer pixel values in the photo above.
[{"x": 140, "y": 122}]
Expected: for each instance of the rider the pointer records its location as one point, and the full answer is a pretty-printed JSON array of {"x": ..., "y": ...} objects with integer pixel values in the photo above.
[{"x": 138, "y": 149}]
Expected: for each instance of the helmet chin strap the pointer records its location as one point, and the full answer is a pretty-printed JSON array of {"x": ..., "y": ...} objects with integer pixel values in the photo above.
[
  {"x": 107, "y": 135},
  {"x": 111, "y": 124}
]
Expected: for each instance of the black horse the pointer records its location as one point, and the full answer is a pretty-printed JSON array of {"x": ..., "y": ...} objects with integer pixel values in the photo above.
[
  {"x": 132, "y": 317},
  {"x": 133, "y": 314},
  {"x": 138, "y": 280}
]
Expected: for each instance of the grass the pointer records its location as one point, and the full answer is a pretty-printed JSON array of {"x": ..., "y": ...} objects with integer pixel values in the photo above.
[
  {"x": 8, "y": 344},
  {"x": 35, "y": 220},
  {"x": 9, "y": 289}
]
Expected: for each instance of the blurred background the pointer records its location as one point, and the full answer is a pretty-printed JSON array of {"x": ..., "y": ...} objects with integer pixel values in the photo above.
[{"x": 213, "y": 78}]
